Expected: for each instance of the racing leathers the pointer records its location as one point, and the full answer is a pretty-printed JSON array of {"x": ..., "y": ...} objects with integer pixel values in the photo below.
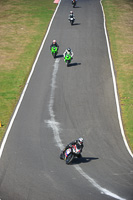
[
  {"x": 77, "y": 144},
  {"x": 71, "y": 16},
  {"x": 68, "y": 52},
  {"x": 54, "y": 45}
]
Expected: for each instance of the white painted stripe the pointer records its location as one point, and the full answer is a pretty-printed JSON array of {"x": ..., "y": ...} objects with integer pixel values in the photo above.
[
  {"x": 56, "y": 131},
  {"x": 52, "y": 123},
  {"x": 115, "y": 88},
  {"x": 94, "y": 183},
  {"x": 25, "y": 88}
]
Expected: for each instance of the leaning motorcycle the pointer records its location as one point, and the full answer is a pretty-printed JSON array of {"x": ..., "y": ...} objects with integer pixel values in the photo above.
[
  {"x": 70, "y": 154},
  {"x": 72, "y": 19},
  {"x": 54, "y": 51},
  {"x": 68, "y": 59},
  {"x": 74, "y": 3}
]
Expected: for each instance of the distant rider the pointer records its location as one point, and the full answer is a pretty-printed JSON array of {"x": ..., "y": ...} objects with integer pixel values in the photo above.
[
  {"x": 74, "y": 1},
  {"x": 68, "y": 51},
  {"x": 71, "y": 15},
  {"x": 54, "y": 44},
  {"x": 79, "y": 144}
]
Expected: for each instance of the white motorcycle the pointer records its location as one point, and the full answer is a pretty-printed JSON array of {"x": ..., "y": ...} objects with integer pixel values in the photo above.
[{"x": 72, "y": 19}]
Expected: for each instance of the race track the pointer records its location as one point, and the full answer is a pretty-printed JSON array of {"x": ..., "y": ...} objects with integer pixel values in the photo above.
[{"x": 61, "y": 104}]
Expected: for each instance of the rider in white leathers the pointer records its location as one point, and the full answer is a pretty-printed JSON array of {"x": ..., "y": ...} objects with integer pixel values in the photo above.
[
  {"x": 71, "y": 15},
  {"x": 68, "y": 51}
]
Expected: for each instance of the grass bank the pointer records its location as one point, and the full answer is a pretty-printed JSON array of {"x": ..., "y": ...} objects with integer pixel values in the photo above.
[
  {"x": 119, "y": 21},
  {"x": 23, "y": 24}
]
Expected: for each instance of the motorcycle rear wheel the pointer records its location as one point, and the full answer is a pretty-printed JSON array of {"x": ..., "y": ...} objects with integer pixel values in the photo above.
[{"x": 54, "y": 55}]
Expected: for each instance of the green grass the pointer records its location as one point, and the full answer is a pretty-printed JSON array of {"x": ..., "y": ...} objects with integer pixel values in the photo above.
[
  {"x": 119, "y": 21},
  {"x": 23, "y": 25}
]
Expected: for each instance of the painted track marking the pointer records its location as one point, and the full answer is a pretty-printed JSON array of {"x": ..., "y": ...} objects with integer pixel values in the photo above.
[
  {"x": 52, "y": 123},
  {"x": 26, "y": 85},
  {"x": 55, "y": 125},
  {"x": 115, "y": 87}
]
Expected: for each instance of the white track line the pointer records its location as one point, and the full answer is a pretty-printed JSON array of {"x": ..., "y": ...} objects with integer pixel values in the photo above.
[
  {"x": 25, "y": 88},
  {"x": 115, "y": 87},
  {"x": 55, "y": 125},
  {"x": 52, "y": 123}
]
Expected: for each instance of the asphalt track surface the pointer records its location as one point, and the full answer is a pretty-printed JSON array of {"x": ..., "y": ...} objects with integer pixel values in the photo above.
[{"x": 61, "y": 104}]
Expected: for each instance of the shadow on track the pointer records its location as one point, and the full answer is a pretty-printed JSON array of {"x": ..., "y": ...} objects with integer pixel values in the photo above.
[
  {"x": 77, "y": 7},
  {"x": 74, "y": 64},
  {"x": 82, "y": 160},
  {"x": 75, "y": 24},
  {"x": 59, "y": 56}
]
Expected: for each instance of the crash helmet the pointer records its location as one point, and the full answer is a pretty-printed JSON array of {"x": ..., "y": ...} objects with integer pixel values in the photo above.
[
  {"x": 80, "y": 141},
  {"x": 71, "y": 12},
  {"x": 69, "y": 49},
  {"x": 54, "y": 41}
]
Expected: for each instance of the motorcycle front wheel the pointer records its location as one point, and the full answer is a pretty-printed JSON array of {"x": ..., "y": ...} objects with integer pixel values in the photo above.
[
  {"x": 68, "y": 62},
  {"x": 54, "y": 55},
  {"x": 69, "y": 158},
  {"x": 62, "y": 156},
  {"x": 72, "y": 22},
  {"x": 74, "y": 5}
]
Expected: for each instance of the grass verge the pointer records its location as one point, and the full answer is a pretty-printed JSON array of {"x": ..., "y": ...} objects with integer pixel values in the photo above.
[
  {"x": 23, "y": 24},
  {"x": 119, "y": 21}
]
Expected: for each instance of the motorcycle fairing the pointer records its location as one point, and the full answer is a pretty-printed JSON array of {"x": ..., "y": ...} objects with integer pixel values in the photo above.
[
  {"x": 68, "y": 151},
  {"x": 75, "y": 149}
]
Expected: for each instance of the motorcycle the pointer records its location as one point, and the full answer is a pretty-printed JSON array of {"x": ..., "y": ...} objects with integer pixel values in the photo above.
[
  {"x": 72, "y": 19},
  {"x": 70, "y": 154},
  {"x": 68, "y": 59},
  {"x": 54, "y": 51},
  {"x": 74, "y": 3}
]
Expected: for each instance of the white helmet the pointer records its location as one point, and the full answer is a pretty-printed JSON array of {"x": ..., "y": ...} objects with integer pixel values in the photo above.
[
  {"x": 69, "y": 49},
  {"x": 80, "y": 141},
  {"x": 54, "y": 41}
]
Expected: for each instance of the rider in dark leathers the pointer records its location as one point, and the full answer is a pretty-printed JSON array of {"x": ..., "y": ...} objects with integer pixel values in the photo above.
[
  {"x": 74, "y": 1},
  {"x": 79, "y": 144},
  {"x": 54, "y": 43}
]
